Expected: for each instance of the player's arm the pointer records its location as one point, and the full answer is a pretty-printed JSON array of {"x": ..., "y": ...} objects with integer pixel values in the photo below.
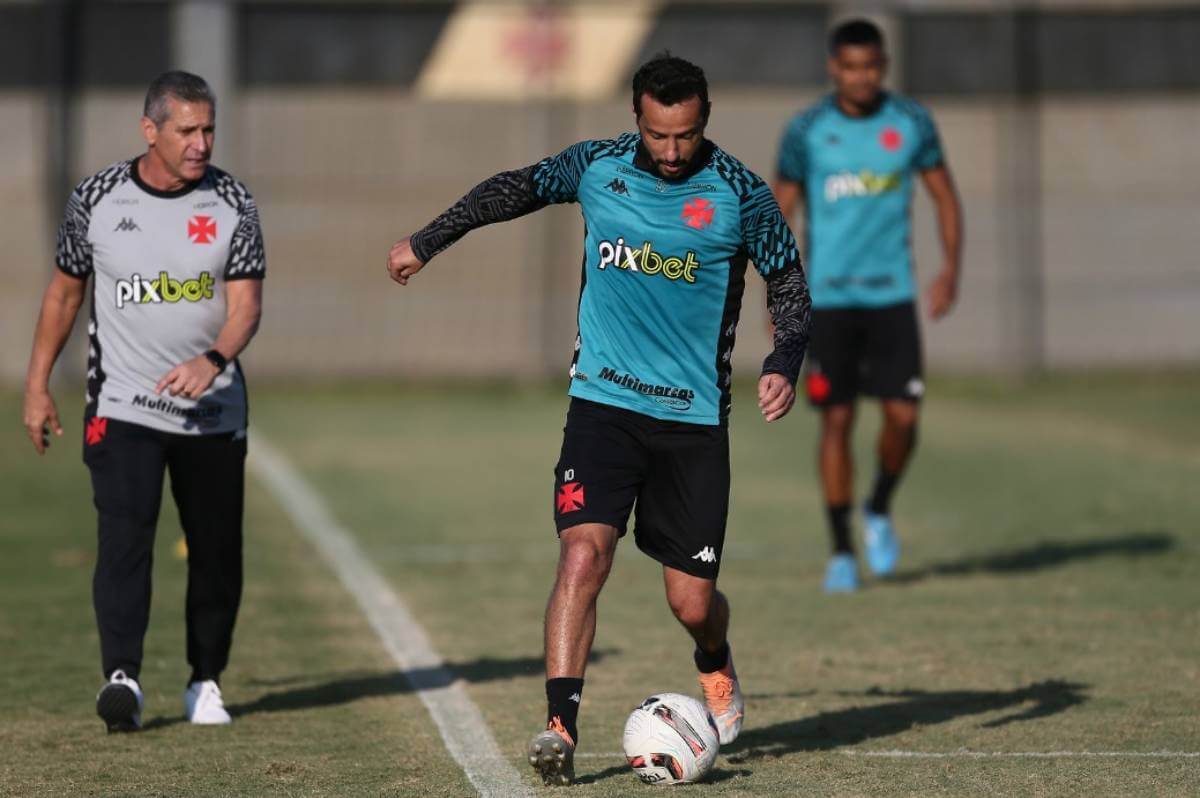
[
  {"x": 772, "y": 247},
  {"x": 789, "y": 194},
  {"x": 244, "y": 273},
  {"x": 788, "y": 186},
  {"x": 60, "y": 305},
  {"x": 243, "y": 312},
  {"x": 500, "y": 198},
  {"x": 789, "y": 306},
  {"x": 791, "y": 167},
  {"x": 943, "y": 291}
]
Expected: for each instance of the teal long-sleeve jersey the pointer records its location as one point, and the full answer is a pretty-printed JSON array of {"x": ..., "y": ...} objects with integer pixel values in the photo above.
[{"x": 663, "y": 270}]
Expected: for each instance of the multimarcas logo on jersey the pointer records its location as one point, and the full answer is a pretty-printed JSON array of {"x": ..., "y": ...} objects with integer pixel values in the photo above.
[
  {"x": 861, "y": 184},
  {"x": 139, "y": 290},
  {"x": 645, "y": 260},
  {"x": 672, "y": 397},
  {"x": 204, "y": 415}
]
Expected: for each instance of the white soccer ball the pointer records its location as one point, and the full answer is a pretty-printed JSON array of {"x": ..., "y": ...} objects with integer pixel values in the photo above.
[{"x": 671, "y": 739}]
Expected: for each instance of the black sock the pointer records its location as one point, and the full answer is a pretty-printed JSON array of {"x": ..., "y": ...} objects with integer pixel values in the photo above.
[
  {"x": 562, "y": 702},
  {"x": 197, "y": 676},
  {"x": 881, "y": 496},
  {"x": 839, "y": 525},
  {"x": 711, "y": 663}
]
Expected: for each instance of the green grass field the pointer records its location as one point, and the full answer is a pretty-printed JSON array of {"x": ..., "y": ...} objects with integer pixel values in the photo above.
[{"x": 1048, "y": 601}]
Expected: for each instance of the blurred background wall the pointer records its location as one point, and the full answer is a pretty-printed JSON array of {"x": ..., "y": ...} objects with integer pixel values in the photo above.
[{"x": 1070, "y": 127}]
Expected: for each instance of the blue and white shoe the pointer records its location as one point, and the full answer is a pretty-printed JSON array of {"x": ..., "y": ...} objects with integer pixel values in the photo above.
[
  {"x": 883, "y": 547},
  {"x": 841, "y": 574}
]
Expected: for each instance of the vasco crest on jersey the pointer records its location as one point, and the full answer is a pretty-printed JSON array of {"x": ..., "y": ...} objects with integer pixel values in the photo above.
[{"x": 698, "y": 213}]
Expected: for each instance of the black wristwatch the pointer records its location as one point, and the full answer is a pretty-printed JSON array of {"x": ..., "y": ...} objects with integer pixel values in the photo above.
[{"x": 217, "y": 359}]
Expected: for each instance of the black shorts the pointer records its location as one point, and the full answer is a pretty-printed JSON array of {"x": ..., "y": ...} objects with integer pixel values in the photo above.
[
  {"x": 868, "y": 351},
  {"x": 676, "y": 473}
]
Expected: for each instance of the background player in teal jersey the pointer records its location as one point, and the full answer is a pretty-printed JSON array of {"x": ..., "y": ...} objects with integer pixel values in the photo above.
[
  {"x": 670, "y": 223},
  {"x": 850, "y": 159}
]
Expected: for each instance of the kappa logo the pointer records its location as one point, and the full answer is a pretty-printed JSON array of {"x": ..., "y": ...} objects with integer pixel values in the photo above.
[
  {"x": 126, "y": 225},
  {"x": 576, "y": 697},
  {"x": 202, "y": 229},
  {"x": 617, "y": 186},
  {"x": 705, "y": 554}
]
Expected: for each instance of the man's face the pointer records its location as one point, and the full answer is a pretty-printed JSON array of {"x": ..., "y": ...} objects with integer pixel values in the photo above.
[
  {"x": 184, "y": 142},
  {"x": 857, "y": 71},
  {"x": 672, "y": 134}
]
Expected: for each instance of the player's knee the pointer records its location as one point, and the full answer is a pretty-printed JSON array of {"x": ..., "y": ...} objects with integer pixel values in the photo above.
[
  {"x": 837, "y": 421},
  {"x": 901, "y": 416},
  {"x": 585, "y": 559},
  {"x": 692, "y": 609}
]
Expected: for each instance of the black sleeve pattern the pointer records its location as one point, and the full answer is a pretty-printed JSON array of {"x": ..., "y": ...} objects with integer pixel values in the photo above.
[
  {"x": 247, "y": 256},
  {"x": 510, "y": 195},
  {"x": 771, "y": 245},
  {"x": 790, "y": 307},
  {"x": 506, "y": 196},
  {"x": 74, "y": 250}
]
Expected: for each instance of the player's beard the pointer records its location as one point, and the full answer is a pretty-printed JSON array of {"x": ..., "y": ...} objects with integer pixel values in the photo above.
[{"x": 677, "y": 166}]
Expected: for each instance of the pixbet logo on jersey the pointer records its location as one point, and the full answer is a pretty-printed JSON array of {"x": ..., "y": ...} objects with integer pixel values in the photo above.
[
  {"x": 645, "y": 260},
  {"x": 139, "y": 290},
  {"x": 202, "y": 229},
  {"x": 863, "y": 184}
]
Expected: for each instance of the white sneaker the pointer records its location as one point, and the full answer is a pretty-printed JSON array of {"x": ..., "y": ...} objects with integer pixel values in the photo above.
[
  {"x": 203, "y": 706},
  {"x": 119, "y": 703}
]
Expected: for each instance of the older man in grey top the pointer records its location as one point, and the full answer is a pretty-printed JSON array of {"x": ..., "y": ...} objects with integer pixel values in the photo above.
[{"x": 174, "y": 252}]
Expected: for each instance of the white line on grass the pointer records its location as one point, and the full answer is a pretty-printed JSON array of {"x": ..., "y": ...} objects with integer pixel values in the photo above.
[
  {"x": 463, "y": 729},
  {"x": 972, "y": 754},
  {"x": 1021, "y": 754}
]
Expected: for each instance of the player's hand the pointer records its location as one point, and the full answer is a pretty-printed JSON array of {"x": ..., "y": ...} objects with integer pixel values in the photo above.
[
  {"x": 41, "y": 418},
  {"x": 942, "y": 293},
  {"x": 775, "y": 396},
  {"x": 190, "y": 379},
  {"x": 402, "y": 263}
]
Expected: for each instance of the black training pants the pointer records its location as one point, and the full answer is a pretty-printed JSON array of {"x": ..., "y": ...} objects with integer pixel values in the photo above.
[{"x": 127, "y": 463}]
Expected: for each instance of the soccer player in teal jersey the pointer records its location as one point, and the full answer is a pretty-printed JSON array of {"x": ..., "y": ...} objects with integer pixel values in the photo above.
[
  {"x": 671, "y": 221},
  {"x": 851, "y": 159}
]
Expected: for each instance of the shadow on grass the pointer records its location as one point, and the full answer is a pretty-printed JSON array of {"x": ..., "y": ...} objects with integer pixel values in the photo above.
[
  {"x": 346, "y": 687},
  {"x": 717, "y": 774},
  {"x": 1049, "y": 554},
  {"x": 855, "y": 725}
]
